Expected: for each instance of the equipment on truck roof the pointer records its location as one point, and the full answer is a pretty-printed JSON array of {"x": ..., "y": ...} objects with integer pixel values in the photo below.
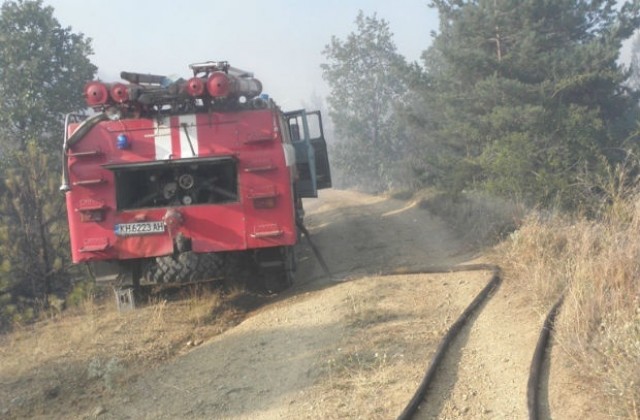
[{"x": 175, "y": 181}]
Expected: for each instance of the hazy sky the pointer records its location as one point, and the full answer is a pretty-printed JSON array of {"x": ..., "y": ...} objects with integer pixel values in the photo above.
[{"x": 281, "y": 41}]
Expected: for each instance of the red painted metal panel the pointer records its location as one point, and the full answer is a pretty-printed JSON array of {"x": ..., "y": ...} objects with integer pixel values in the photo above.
[{"x": 251, "y": 137}]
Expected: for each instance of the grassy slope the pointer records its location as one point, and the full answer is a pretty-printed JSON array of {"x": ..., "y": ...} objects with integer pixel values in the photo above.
[
  {"x": 89, "y": 351},
  {"x": 595, "y": 262}
]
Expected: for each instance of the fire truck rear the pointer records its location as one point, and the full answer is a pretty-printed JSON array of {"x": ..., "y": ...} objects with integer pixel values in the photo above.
[{"x": 190, "y": 180}]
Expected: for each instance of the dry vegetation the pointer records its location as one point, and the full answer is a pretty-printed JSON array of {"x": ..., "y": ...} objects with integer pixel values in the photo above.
[
  {"x": 87, "y": 352},
  {"x": 392, "y": 326},
  {"x": 597, "y": 263},
  {"x": 79, "y": 356},
  {"x": 476, "y": 217}
]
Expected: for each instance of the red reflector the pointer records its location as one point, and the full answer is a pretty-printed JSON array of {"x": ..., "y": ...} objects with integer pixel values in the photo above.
[
  {"x": 218, "y": 85},
  {"x": 119, "y": 93},
  {"x": 195, "y": 86},
  {"x": 92, "y": 216},
  {"x": 264, "y": 203},
  {"x": 96, "y": 93}
]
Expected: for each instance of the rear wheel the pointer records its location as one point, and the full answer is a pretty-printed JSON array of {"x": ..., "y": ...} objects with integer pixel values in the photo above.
[{"x": 185, "y": 267}]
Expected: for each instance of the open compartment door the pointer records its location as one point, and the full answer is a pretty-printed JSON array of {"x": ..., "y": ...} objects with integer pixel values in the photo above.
[{"x": 312, "y": 161}]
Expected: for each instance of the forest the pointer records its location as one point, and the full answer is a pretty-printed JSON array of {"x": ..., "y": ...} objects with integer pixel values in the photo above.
[{"x": 524, "y": 100}]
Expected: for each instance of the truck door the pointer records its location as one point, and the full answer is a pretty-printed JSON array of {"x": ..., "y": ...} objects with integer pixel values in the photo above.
[{"x": 312, "y": 160}]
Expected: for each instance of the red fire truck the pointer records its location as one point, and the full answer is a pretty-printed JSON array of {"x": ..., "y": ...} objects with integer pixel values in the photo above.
[{"x": 190, "y": 180}]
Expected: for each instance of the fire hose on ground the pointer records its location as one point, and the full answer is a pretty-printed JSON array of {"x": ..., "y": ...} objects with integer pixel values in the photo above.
[{"x": 535, "y": 372}]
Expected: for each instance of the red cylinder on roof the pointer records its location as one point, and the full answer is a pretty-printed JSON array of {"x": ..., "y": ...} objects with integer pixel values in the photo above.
[
  {"x": 96, "y": 93},
  {"x": 219, "y": 85},
  {"x": 195, "y": 86},
  {"x": 119, "y": 93},
  {"x": 222, "y": 85}
]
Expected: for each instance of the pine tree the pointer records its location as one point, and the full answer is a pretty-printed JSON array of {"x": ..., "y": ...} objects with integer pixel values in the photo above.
[{"x": 526, "y": 97}]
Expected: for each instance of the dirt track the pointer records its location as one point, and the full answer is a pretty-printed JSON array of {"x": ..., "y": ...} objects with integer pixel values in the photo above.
[
  {"x": 356, "y": 345},
  {"x": 352, "y": 346}
]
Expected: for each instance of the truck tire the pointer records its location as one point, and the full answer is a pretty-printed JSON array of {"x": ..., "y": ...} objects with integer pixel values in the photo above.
[{"x": 184, "y": 268}]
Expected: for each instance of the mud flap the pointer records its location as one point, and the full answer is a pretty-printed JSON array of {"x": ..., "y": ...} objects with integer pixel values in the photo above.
[
  {"x": 105, "y": 271},
  {"x": 276, "y": 268}
]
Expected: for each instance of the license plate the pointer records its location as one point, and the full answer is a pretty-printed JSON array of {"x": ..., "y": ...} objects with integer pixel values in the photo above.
[{"x": 139, "y": 228}]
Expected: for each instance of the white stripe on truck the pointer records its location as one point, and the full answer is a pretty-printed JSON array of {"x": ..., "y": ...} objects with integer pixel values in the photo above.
[
  {"x": 162, "y": 138},
  {"x": 188, "y": 131}
]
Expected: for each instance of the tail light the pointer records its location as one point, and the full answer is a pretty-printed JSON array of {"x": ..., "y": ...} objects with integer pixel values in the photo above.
[
  {"x": 96, "y": 93},
  {"x": 92, "y": 216},
  {"x": 264, "y": 203}
]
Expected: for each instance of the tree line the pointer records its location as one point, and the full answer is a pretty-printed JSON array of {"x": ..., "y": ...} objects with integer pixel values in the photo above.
[
  {"x": 521, "y": 98},
  {"x": 525, "y": 99},
  {"x": 43, "y": 67}
]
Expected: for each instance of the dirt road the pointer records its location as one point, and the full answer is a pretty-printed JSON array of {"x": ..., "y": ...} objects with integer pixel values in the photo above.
[{"x": 355, "y": 345}]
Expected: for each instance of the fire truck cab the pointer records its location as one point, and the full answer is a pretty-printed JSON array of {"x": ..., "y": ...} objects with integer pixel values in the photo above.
[{"x": 190, "y": 180}]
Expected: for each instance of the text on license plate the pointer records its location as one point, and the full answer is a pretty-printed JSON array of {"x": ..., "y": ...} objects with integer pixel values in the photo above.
[{"x": 139, "y": 228}]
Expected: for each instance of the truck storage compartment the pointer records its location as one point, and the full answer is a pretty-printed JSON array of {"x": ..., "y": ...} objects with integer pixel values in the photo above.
[{"x": 184, "y": 182}]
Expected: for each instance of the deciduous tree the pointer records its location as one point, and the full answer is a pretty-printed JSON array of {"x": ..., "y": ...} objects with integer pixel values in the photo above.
[
  {"x": 43, "y": 67},
  {"x": 366, "y": 77}
]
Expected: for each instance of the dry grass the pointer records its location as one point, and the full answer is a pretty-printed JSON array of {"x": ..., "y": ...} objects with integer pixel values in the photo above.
[
  {"x": 371, "y": 372},
  {"x": 76, "y": 356},
  {"x": 478, "y": 218},
  {"x": 598, "y": 264},
  {"x": 365, "y": 363}
]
